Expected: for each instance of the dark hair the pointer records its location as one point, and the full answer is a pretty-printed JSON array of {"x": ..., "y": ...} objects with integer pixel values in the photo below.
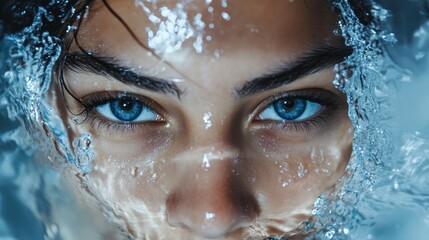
[{"x": 16, "y": 15}]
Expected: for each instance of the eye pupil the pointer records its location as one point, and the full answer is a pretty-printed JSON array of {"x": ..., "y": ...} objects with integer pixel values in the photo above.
[
  {"x": 126, "y": 109},
  {"x": 287, "y": 104},
  {"x": 126, "y": 105},
  {"x": 290, "y": 108}
]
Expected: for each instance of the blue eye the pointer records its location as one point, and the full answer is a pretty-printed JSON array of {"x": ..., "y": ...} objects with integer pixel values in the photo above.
[
  {"x": 290, "y": 109},
  {"x": 127, "y": 110}
]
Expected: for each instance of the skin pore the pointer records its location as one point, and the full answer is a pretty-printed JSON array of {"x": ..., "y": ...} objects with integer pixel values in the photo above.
[{"x": 236, "y": 141}]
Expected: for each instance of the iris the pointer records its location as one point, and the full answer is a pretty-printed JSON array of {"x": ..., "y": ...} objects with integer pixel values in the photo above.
[
  {"x": 126, "y": 110},
  {"x": 290, "y": 108}
]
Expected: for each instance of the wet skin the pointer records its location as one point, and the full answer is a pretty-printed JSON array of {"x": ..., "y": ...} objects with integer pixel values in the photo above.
[{"x": 212, "y": 158}]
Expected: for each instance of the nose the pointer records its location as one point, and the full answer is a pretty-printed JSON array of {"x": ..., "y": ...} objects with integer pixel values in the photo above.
[{"x": 211, "y": 201}]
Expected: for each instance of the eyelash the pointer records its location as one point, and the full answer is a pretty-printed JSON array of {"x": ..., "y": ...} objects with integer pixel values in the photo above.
[
  {"x": 326, "y": 99},
  {"x": 96, "y": 121}
]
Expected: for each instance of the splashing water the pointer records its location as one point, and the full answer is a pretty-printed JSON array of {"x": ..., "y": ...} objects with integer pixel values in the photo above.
[
  {"x": 173, "y": 27},
  {"x": 383, "y": 195}
]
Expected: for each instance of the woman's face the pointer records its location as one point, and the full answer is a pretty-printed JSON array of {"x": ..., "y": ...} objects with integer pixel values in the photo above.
[{"x": 235, "y": 141}]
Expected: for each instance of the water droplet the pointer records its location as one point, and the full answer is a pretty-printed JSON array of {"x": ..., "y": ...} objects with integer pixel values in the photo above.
[
  {"x": 346, "y": 231},
  {"x": 254, "y": 30},
  {"x": 134, "y": 171},
  {"x": 330, "y": 234},
  {"x": 210, "y": 216},
  {"x": 395, "y": 185},
  {"x": 84, "y": 152},
  {"x": 218, "y": 53},
  {"x": 420, "y": 55},
  {"x": 301, "y": 170},
  {"x": 226, "y": 16},
  {"x": 207, "y": 120},
  {"x": 153, "y": 177},
  {"x": 206, "y": 162}
]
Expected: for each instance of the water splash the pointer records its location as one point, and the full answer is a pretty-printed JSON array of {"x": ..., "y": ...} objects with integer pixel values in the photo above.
[
  {"x": 172, "y": 32},
  {"x": 381, "y": 178},
  {"x": 384, "y": 193},
  {"x": 360, "y": 77},
  {"x": 33, "y": 190},
  {"x": 173, "y": 26}
]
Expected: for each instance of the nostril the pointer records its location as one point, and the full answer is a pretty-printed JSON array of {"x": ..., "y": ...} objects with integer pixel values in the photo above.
[{"x": 171, "y": 210}]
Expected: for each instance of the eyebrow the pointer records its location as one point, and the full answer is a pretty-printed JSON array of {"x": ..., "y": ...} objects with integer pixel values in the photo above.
[
  {"x": 309, "y": 63},
  {"x": 109, "y": 67}
]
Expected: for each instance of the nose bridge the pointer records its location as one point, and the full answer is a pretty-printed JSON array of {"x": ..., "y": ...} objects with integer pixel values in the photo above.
[
  {"x": 209, "y": 122},
  {"x": 210, "y": 199}
]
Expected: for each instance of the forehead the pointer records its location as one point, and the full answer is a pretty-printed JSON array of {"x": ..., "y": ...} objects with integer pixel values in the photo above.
[
  {"x": 269, "y": 24},
  {"x": 250, "y": 36}
]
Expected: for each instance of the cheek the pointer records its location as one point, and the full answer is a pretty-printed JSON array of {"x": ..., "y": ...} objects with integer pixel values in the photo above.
[
  {"x": 292, "y": 172},
  {"x": 131, "y": 168}
]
